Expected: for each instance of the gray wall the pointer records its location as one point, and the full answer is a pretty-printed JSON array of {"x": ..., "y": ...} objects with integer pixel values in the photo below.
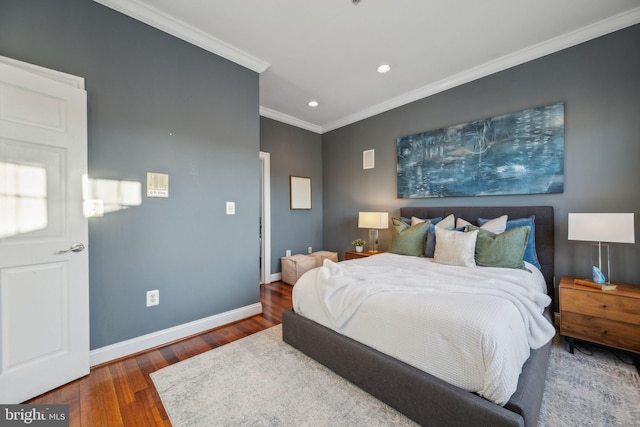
[
  {"x": 600, "y": 83},
  {"x": 144, "y": 85},
  {"x": 294, "y": 151}
]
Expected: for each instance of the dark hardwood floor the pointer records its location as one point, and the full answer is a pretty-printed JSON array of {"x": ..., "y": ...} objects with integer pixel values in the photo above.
[{"x": 121, "y": 393}]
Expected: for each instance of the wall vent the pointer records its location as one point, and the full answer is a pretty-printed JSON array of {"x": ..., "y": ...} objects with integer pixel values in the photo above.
[{"x": 157, "y": 185}]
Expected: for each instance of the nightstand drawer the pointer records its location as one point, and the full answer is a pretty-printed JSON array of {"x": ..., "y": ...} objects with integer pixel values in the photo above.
[
  {"x": 605, "y": 317},
  {"x": 601, "y": 304},
  {"x": 602, "y": 331}
]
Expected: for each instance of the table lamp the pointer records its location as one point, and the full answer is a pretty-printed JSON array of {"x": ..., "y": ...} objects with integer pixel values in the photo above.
[
  {"x": 602, "y": 227},
  {"x": 374, "y": 221}
]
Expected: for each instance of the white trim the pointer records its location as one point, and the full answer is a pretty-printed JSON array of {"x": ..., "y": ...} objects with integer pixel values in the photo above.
[
  {"x": 290, "y": 120},
  {"x": 59, "y": 76},
  {"x": 548, "y": 47},
  {"x": 167, "y": 23},
  {"x": 276, "y": 277},
  {"x": 155, "y": 339},
  {"x": 164, "y": 22},
  {"x": 265, "y": 274}
]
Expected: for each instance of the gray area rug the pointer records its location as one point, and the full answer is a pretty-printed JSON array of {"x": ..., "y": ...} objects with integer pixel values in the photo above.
[
  {"x": 590, "y": 389},
  {"x": 261, "y": 381}
]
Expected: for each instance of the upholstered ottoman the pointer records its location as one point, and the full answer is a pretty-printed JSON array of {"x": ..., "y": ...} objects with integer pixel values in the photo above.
[
  {"x": 295, "y": 266},
  {"x": 320, "y": 256}
]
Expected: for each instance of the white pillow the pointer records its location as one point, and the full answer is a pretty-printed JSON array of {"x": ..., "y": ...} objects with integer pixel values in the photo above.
[
  {"x": 455, "y": 247},
  {"x": 416, "y": 220},
  {"x": 462, "y": 223},
  {"x": 496, "y": 225},
  {"x": 447, "y": 223}
]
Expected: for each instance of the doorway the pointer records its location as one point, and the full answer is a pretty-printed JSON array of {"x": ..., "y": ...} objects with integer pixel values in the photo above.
[{"x": 265, "y": 217}]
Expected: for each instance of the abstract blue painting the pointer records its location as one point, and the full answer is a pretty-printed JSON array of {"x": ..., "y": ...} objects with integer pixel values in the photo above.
[{"x": 516, "y": 153}]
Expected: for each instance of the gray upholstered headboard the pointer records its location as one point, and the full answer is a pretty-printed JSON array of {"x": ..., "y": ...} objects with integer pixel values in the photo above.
[{"x": 544, "y": 224}]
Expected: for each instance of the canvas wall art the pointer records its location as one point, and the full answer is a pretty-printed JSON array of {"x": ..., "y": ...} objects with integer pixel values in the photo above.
[{"x": 516, "y": 153}]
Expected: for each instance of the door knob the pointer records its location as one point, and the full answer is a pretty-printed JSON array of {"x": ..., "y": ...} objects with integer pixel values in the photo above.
[{"x": 75, "y": 247}]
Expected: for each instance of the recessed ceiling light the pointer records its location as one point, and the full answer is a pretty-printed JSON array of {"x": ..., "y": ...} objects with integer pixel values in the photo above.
[
  {"x": 384, "y": 68},
  {"x": 313, "y": 103}
]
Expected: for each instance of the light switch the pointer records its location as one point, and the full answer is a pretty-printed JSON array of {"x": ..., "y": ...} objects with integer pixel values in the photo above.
[{"x": 231, "y": 208}]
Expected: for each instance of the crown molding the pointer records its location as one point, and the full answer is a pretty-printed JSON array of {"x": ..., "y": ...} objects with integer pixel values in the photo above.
[
  {"x": 290, "y": 120},
  {"x": 153, "y": 17},
  {"x": 160, "y": 20},
  {"x": 556, "y": 44}
]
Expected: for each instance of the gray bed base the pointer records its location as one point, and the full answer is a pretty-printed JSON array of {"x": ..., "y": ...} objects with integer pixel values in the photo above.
[
  {"x": 421, "y": 397},
  {"x": 424, "y": 398}
]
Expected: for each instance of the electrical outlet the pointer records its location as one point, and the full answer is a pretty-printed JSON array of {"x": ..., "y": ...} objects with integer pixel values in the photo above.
[
  {"x": 310, "y": 249},
  {"x": 288, "y": 253},
  {"x": 153, "y": 297}
]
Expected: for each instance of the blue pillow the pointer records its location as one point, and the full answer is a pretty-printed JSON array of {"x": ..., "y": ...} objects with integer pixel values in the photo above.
[
  {"x": 530, "y": 253},
  {"x": 430, "y": 242},
  {"x": 435, "y": 220}
]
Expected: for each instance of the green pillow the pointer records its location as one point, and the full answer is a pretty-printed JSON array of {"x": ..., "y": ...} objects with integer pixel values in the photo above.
[
  {"x": 408, "y": 240},
  {"x": 504, "y": 250}
]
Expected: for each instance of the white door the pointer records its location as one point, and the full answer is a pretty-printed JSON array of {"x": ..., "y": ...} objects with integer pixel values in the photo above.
[{"x": 44, "y": 298}]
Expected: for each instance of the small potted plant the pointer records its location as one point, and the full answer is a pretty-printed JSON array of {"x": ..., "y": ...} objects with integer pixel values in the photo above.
[{"x": 359, "y": 244}]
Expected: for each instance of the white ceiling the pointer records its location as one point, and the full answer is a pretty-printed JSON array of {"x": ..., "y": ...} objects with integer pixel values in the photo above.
[{"x": 328, "y": 50}]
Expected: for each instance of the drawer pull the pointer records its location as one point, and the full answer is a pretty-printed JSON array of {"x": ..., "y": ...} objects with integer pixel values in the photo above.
[{"x": 604, "y": 306}]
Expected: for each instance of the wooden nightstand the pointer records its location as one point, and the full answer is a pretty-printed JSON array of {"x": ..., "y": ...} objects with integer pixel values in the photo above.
[
  {"x": 610, "y": 318},
  {"x": 355, "y": 255}
]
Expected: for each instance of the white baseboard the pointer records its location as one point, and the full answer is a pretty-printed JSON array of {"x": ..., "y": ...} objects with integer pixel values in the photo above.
[
  {"x": 275, "y": 277},
  {"x": 155, "y": 339}
]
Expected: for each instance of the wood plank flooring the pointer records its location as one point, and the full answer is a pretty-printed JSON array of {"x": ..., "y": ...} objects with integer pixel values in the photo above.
[{"x": 121, "y": 393}]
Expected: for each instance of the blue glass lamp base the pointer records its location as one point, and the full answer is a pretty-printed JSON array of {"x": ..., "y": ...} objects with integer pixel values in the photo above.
[
  {"x": 600, "y": 261},
  {"x": 598, "y": 277}
]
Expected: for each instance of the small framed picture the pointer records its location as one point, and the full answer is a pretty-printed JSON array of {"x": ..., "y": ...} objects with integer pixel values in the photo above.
[{"x": 300, "y": 192}]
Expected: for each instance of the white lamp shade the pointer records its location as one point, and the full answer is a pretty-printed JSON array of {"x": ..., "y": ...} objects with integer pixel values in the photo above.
[
  {"x": 602, "y": 227},
  {"x": 375, "y": 220}
]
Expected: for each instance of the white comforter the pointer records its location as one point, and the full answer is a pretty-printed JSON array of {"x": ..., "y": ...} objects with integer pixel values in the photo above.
[{"x": 472, "y": 327}]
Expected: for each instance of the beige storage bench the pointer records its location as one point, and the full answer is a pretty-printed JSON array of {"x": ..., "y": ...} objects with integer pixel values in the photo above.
[
  {"x": 320, "y": 256},
  {"x": 295, "y": 266}
]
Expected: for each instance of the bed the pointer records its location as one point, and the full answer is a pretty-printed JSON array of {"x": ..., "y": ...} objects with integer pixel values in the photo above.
[{"x": 423, "y": 397}]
